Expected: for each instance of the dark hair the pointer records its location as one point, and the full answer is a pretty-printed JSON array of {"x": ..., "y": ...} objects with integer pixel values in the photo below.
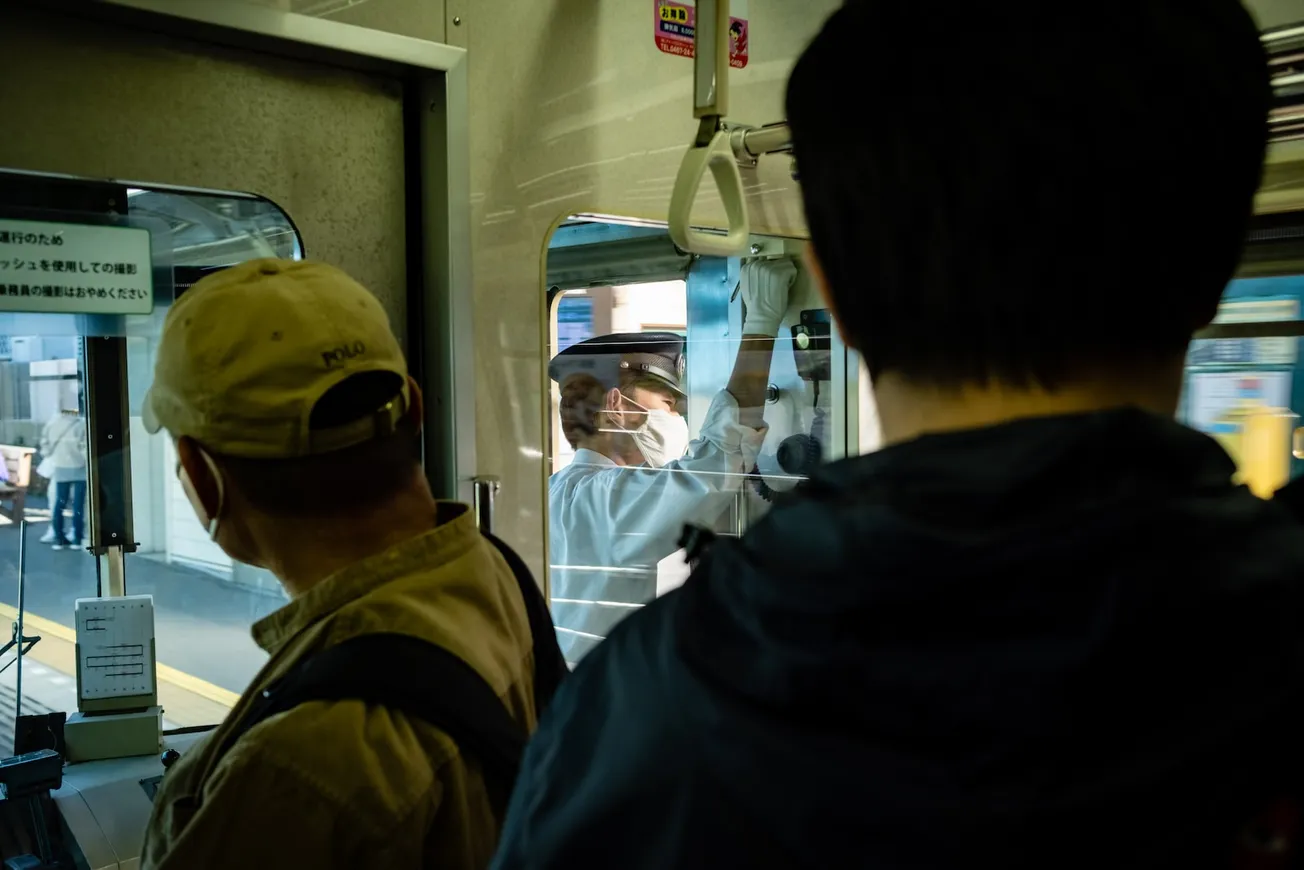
[
  {"x": 344, "y": 481},
  {"x": 1023, "y": 196}
]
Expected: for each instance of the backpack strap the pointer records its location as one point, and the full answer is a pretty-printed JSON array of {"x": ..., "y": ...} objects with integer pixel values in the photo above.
[
  {"x": 413, "y": 676},
  {"x": 549, "y": 664},
  {"x": 448, "y": 693}
]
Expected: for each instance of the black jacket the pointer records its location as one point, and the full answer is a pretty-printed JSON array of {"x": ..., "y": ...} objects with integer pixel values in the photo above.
[{"x": 1058, "y": 642}]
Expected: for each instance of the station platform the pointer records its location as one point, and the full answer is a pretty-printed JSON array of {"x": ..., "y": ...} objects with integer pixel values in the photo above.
[{"x": 206, "y": 654}]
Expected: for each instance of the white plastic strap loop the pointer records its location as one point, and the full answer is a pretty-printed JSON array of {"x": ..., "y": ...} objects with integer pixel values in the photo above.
[{"x": 718, "y": 155}]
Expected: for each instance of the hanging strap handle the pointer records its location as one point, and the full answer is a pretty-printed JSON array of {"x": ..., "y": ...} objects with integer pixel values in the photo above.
[
  {"x": 718, "y": 156},
  {"x": 713, "y": 147}
]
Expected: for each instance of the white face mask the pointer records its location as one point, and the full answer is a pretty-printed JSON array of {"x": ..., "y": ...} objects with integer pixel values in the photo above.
[
  {"x": 213, "y": 522},
  {"x": 662, "y": 436}
]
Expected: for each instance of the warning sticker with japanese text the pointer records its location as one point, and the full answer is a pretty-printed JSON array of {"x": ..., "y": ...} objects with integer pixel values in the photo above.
[
  {"x": 63, "y": 268},
  {"x": 676, "y": 22}
]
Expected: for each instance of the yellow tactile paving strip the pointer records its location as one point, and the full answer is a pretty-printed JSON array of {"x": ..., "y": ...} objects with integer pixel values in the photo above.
[{"x": 187, "y": 701}]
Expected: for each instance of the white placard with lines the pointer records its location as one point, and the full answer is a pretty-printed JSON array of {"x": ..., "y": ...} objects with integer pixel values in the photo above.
[{"x": 114, "y": 638}]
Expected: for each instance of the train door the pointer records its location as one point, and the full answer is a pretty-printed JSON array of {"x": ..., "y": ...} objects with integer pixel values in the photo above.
[{"x": 353, "y": 145}]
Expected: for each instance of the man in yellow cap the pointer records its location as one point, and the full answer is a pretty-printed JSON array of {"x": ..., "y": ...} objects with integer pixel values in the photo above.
[{"x": 272, "y": 378}]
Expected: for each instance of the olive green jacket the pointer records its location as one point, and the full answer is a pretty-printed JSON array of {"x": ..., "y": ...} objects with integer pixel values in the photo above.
[{"x": 343, "y": 784}]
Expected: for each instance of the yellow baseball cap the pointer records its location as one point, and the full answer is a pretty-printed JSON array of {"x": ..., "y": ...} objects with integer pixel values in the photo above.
[{"x": 247, "y": 352}]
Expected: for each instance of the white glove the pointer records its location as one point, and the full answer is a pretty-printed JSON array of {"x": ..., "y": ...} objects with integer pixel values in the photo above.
[{"x": 765, "y": 285}]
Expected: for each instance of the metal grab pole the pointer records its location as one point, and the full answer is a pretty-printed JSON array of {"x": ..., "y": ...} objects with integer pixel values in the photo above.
[
  {"x": 486, "y": 493},
  {"x": 22, "y": 605},
  {"x": 116, "y": 561},
  {"x": 750, "y": 143},
  {"x": 711, "y": 59},
  {"x": 712, "y": 147}
]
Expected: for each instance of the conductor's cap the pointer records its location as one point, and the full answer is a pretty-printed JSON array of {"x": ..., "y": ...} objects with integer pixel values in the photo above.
[{"x": 658, "y": 355}]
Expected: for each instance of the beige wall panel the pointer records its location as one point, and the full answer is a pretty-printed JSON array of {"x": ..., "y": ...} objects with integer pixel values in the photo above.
[
  {"x": 1275, "y": 13},
  {"x": 574, "y": 109},
  {"x": 422, "y": 19},
  {"x": 325, "y": 145}
]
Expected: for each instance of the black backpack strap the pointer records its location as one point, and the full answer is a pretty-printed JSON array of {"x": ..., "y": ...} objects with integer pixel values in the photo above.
[
  {"x": 549, "y": 663},
  {"x": 449, "y": 694},
  {"x": 378, "y": 669}
]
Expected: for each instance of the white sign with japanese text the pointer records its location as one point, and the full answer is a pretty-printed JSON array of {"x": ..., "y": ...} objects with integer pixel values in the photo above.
[{"x": 62, "y": 268}]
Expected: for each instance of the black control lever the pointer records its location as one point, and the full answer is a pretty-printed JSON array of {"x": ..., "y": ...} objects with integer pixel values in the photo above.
[
  {"x": 26, "y": 645},
  {"x": 28, "y": 779}
]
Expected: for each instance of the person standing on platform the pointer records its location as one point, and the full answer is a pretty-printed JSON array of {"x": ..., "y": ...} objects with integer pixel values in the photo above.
[{"x": 63, "y": 452}]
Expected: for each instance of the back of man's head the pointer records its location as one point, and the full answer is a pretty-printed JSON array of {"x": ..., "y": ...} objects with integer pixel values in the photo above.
[
  {"x": 288, "y": 375},
  {"x": 1004, "y": 192}
]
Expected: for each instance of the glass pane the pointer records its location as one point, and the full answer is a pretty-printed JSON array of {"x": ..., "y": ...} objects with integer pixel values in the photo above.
[
  {"x": 208, "y": 229},
  {"x": 869, "y": 431},
  {"x": 1246, "y": 392},
  {"x": 204, "y": 604},
  {"x": 44, "y": 447},
  {"x": 645, "y": 435}
]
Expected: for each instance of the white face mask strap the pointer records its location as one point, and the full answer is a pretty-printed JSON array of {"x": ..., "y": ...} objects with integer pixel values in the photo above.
[
  {"x": 632, "y": 402},
  {"x": 641, "y": 410},
  {"x": 215, "y": 521},
  {"x": 621, "y": 429}
]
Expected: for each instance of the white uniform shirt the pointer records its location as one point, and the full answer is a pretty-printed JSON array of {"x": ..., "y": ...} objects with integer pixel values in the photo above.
[
  {"x": 610, "y": 525},
  {"x": 64, "y": 443}
]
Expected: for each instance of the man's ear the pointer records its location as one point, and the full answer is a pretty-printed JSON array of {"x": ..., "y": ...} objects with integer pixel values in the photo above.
[
  {"x": 416, "y": 409},
  {"x": 198, "y": 478},
  {"x": 613, "y": 400},
  {"x": 821, "y": 282}
]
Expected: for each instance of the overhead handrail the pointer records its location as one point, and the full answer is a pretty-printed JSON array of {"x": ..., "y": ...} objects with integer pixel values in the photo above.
[
  {"x": 713, "y": 146},
  {"x": 1286, "y": 62},
  {"x": 752, "y": 143}
]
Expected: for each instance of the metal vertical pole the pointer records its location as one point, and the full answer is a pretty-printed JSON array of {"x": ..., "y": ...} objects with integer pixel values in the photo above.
[
  {"x": 711, "y": 59},
  {"x": 109, "y": 478},
  {"x": 117, "y": 572},
  {"x": 486, "y": 492},
  {"x": 22, "y": 606}
]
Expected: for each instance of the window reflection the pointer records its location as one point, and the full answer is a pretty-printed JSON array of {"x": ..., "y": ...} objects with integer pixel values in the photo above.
[
  {"x": 44, "y": 450},
  {"x": 1245, "y": 392},
  {"x": 668, "y": 412},
  {"x": 582, "y": 314},
  {"x": 212, "y": 230}
]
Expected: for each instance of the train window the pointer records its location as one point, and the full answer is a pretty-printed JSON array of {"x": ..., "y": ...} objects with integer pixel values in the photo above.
[
  {"x": 644, "y": 358},
  {"x": 1244, "y": 381},
  {"x": 203, "y": 603},
  {"x": 580, "y": 315},
  {"x": 43, "y": 444}
]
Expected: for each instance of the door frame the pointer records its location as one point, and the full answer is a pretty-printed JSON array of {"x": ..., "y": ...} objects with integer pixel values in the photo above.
[{"x": 436, "y": 95}]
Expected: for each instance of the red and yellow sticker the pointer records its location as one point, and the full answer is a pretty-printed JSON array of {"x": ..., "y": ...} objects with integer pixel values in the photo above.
[{"x": 675, "y": 24}]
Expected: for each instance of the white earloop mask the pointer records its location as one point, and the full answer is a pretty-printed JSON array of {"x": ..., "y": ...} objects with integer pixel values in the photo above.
[
  {"x": 662, "y": 436},
  {"x": 214, "y": 521}
]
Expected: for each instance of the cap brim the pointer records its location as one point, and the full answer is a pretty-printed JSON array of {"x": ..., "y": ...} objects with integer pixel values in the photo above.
[
  {"x": 150, "y": 419},
  {"x": 674, "y": 388}
]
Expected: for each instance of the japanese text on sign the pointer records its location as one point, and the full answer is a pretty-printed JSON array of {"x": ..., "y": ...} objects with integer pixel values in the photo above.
[
  {"x": 676, "y": 24},
  {"x": 75, "y": 268}
]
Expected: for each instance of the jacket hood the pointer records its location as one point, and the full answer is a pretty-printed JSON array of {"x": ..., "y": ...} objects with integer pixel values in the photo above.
[{"x": 996, "y": 628}]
